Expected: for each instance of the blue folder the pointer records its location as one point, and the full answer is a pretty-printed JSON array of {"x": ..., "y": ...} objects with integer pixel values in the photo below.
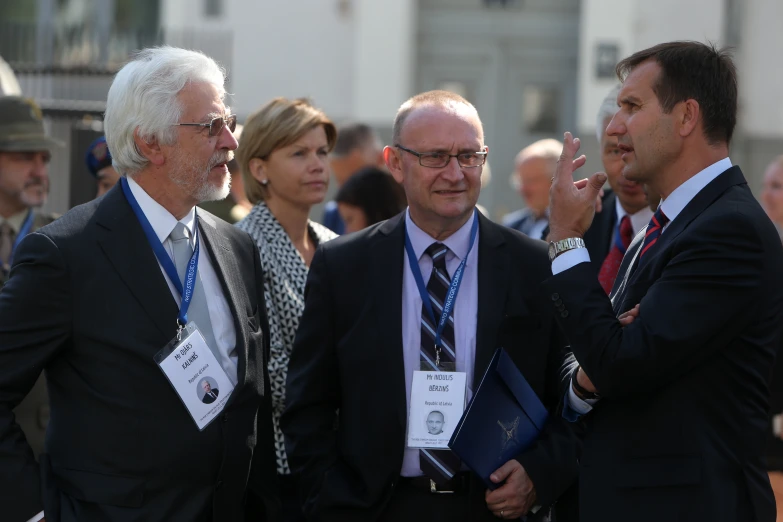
[{"x": 504, "y": 417}]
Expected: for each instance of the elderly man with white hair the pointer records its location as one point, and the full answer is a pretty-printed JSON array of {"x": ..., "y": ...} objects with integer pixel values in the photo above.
[
  {"x": 129, "y": 302},
  {"x": 534, "y": 167}
]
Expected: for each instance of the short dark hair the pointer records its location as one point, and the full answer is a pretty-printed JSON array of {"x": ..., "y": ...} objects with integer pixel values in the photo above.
[
  {"x": 693, "y": 70},
  {"x": 375, "y": 192},
  {"x": 352, "y": 136}
]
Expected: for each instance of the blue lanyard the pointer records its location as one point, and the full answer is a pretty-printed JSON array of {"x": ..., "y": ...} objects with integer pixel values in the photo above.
[
  {"x": 26, "y": 227},
  {"x": 456, "y": 280},
  {"x": 186, "y": 290}
]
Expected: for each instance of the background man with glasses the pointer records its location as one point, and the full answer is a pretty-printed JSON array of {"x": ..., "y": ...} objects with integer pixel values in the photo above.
[
  {"x": 362, "y": 335},
  {"x": 91, "y": 299}
]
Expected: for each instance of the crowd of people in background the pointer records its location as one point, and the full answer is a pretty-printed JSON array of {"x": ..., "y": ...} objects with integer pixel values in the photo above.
[{"x": 306, "y": 324}]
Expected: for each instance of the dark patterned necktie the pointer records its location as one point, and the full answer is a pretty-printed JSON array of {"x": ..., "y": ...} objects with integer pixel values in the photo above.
[
  {"x": 612, "y": 262},
  {"x": 438, "y": 465},
  {"x": 654, "y": 230}
]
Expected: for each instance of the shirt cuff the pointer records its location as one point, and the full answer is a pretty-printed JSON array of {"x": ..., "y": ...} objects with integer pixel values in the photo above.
[
  {"x": 37, "y": 517},
  {"x": 574, "y": 407},
  {"x": 570, "y": 259}
]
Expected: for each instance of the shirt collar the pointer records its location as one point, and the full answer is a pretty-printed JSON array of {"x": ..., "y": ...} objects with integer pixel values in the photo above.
[
  {"x": 161, "y": 219},
  {"x": 638, "y": 220},
  {"x": 16, "y": 221},
  {"x": 458, "y": 242},
  {"x": 682, "y": 195}
]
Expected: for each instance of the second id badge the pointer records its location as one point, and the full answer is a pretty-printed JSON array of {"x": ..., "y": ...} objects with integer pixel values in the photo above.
[
  {"x": 436, "y": 406},
  {"x": 196, "y": 375}
]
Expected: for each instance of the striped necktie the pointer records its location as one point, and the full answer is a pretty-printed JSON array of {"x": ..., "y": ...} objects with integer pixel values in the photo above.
[
  {"x": 654, "y": 229},
  {"x": 438, "y": 465},
  {"x": 620, "y": 241}
]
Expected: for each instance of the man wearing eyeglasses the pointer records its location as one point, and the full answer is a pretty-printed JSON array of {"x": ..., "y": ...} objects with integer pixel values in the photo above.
[
  {"x": 135, "y": 291},
  {"x": 365, "y": 331}
]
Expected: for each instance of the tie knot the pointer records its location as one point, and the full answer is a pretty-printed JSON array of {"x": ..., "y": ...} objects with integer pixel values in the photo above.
[
  {"x": 659, "y": 218},
  {"x": 180, "y": 232},
  {"x": 437, "y": 251},
  {"x": 626, "y": 230}
]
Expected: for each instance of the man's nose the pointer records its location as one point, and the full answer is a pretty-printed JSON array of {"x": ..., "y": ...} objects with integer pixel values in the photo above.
[{"x": 616, "y": 126}]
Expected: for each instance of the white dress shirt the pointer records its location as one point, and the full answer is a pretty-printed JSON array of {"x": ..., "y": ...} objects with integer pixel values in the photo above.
[
  {"x": 219, "y": 311},
  {"x": 465, "y": 311},
  {"x": 671, "y": 207}
]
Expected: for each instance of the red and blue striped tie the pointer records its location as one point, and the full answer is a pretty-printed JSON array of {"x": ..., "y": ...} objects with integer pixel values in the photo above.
[{"x": 654, "y": 230}]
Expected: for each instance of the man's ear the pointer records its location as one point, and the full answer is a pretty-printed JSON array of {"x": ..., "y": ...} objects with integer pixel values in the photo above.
[
  {"x": 149, "y": 149},
  {"x": 393, "y": 161},
  {"x": 689, "y": 114}
]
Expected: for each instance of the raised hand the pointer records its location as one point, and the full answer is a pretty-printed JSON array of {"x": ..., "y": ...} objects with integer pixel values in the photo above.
[{"x": 572, "y": 204}]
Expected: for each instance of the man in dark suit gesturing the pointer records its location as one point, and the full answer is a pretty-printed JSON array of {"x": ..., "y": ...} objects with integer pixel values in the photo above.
[
  {"x": 364, "y": 333},
  {"x": 676, "y": 365},
  {"x": 93, "y": 297}
]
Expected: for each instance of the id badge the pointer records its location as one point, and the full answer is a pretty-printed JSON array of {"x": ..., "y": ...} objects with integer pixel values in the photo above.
[
  {"x": 437, "y": 404},
  {"x": 196, "y": 376}
]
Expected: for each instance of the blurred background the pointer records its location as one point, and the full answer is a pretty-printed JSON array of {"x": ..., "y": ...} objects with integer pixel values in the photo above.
[{"x": 533, "y": 68}]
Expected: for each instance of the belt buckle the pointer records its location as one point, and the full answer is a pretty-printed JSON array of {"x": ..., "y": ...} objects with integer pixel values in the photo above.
[{"x": 434, "y": 489}]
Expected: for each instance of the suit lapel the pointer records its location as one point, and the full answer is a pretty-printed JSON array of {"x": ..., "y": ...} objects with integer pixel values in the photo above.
[
  {"x": 231, "y": 282},
  {"x": 493, "y": 269},
  {"x": 387, "y": 258},
  {"x": 704, "y": 198},
  {"x": 125, "y": 245}
]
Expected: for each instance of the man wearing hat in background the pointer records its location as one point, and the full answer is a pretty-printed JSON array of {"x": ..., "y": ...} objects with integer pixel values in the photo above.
[
  {"x": 98, "y": 161},
  {"x": 25, "y": 151}
]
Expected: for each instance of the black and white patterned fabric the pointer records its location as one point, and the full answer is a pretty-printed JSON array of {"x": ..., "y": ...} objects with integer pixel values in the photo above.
[{"x": 285, "y": 274}]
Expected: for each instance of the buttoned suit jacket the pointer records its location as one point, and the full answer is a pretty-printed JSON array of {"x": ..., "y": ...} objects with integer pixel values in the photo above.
[
  {"x": 348, "y": 356},
  {"x": 88, "y": 303},
  {"x": 680, "y": 429}
]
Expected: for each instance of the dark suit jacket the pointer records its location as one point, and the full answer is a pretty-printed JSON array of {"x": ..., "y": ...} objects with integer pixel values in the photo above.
[
  {"x": 521, "y": 220},
  {"x": 679, "y": 433},
  {"x": 348, "y": 356},
  {"x": 208, "y": 399},
  {"x": 598, "y": 237},
  {"x": 32, "y": 414},
  {"x": 88, "y": 303}
]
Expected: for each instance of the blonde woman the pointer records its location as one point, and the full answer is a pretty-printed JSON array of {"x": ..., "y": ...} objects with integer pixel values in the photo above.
[{"x": 283, "y": 154}]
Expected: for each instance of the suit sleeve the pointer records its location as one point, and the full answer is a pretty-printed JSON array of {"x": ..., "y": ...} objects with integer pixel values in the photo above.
[
  {"x": 552, "y": 462},
  {"x": 35, "y": 324},
  {"x": 263, "y": 480},
  {"x": 313, "y": 387},
  {"x": 706, "y": 295}
]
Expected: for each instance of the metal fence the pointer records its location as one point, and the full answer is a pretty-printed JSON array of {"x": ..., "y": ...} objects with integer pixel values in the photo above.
[{"x": 69, "y": 74}]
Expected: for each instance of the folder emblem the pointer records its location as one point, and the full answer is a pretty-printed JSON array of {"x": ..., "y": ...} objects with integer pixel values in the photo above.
[{"x": 509, "y": 434}]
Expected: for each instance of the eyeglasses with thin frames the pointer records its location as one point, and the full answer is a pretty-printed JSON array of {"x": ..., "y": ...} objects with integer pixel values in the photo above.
[
  {"x": 441, "y": 159},
  {"x": 217, "y": 125}
]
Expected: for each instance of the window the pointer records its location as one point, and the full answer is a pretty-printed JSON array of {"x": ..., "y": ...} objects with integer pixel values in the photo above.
[
  {"x": 541, "y": 109},
  {"x": 213, "y": 8}
]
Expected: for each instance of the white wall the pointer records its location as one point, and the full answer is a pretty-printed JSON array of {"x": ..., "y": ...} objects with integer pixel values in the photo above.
[
  {"x": 761, "y": 76},
  {"x": 384, "y": 63},
  {"x": 601, "y": 21},
  {"x": 354, "y": 58},
  {"x": 636, "y": 25}
]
